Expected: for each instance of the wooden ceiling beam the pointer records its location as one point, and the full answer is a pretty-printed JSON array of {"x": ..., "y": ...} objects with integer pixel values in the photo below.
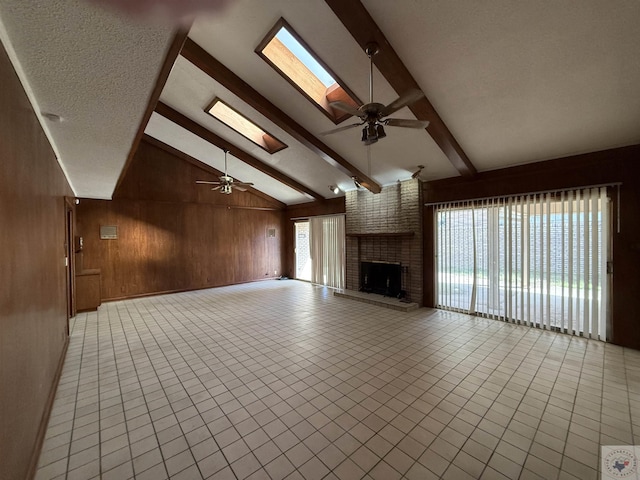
[
  {"x": 221, "y": 74},
  {"x": 355, "y": 17},
  {"x": 207, "y": 135},
  {"x": 207, "y": 168}
]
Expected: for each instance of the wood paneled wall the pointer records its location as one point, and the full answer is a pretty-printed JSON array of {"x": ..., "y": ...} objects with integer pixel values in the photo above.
[
  {"x": 304, "y": 210},
  {"x": 175, "y": 235},
  {"x": 616, "y": 165},
  {"x": 33, "y": 310}
]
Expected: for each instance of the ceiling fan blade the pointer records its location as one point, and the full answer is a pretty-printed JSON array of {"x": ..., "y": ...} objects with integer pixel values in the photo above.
[
  {"x": 401, "y": 122},
  {"x": 216, "y": 188},
  {"x": 340, "y": 129},
  {"x": 208, "y": 183},
  {"x": 241, "y": 186},
  {"x": 407, "y": 98},
  {"x": 345, "y": 107}
]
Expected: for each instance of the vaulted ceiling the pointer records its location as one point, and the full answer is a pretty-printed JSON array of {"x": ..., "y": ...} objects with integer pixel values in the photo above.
[{"x": 506, "y": 83}]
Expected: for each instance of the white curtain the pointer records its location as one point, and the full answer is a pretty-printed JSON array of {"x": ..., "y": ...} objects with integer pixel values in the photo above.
[
  {"x": 327, "y": 250},
  {"x": 534, "y": 259}
]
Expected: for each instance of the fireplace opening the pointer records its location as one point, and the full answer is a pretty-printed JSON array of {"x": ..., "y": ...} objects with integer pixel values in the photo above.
[{"x": 383, "y": 278}]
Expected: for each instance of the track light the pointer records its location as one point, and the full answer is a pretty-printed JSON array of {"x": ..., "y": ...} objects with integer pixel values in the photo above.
[
  {"x": 417, "y": 173},
  {"x": 356, "y": 182},
  {"x": 335, "y": 189}
]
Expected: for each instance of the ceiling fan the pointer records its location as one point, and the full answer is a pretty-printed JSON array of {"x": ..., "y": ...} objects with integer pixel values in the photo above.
[
  {"x": 372, "y": 114},
  {"x": 226, "y": 182}
]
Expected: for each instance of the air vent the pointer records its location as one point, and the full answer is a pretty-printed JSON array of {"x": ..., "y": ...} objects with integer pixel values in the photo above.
[{"x": 108, "y": 232}]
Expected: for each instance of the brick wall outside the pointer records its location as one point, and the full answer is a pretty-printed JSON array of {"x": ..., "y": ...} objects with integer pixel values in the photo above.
[{"x": 394, "y": 210}]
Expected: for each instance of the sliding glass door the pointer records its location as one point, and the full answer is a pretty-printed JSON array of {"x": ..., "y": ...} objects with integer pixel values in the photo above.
[{"x": 536, "y": 259}]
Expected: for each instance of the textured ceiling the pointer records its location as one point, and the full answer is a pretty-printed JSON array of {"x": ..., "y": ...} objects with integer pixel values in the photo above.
[
  {"x": 519, "y": 82},
  {"x": 94, "y": 69},
  {"x": 515, "y": 82}
]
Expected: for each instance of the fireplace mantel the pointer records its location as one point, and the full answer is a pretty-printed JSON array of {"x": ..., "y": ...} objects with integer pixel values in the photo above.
[{"x": 381, "y": 234}]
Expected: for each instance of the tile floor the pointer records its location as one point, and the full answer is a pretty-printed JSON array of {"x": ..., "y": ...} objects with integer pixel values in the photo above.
[{"x": 276, "y": 380}]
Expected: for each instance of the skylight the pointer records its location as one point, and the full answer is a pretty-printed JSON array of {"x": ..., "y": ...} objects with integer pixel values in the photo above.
[
  {"x": 244, "y": 126},
  {"x": 290, "y": 56},
  {"x": 305, "y": 57}
]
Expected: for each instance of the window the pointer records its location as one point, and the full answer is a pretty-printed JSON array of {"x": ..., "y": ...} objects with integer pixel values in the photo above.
[
  {"x": 245, "y": 127},
  {"x": 292, "y": 58},
  {"x": 538, "y": 260}
]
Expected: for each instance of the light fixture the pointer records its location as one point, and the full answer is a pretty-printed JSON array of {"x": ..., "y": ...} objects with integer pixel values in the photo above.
[
  {"x": 226, "y": 189},
  {"x": 356, "y": 182},
  {"x": 335, "y": 189},
  {"x": 380, "y": 131},
  {"x": 370, "y": 134},
  {"x": 52, "y": 117},
  {"x": 417, "y": 173}
]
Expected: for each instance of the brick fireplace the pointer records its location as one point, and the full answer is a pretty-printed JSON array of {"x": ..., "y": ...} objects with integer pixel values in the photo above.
[{"x": 386, "y": 227}]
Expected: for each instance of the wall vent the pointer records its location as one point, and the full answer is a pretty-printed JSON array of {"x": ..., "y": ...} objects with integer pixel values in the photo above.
[{"x": 108, "y": 232}]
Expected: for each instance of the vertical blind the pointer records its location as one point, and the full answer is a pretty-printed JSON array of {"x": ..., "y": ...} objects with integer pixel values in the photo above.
[
  {"x": 536, "y": 259},
  {"x": 327, "y": 247}
]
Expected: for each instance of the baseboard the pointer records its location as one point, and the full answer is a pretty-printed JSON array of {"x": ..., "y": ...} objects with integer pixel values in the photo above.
[
  {"x": 44, "y": 422},
  {"x": 181, "y": 290}
]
